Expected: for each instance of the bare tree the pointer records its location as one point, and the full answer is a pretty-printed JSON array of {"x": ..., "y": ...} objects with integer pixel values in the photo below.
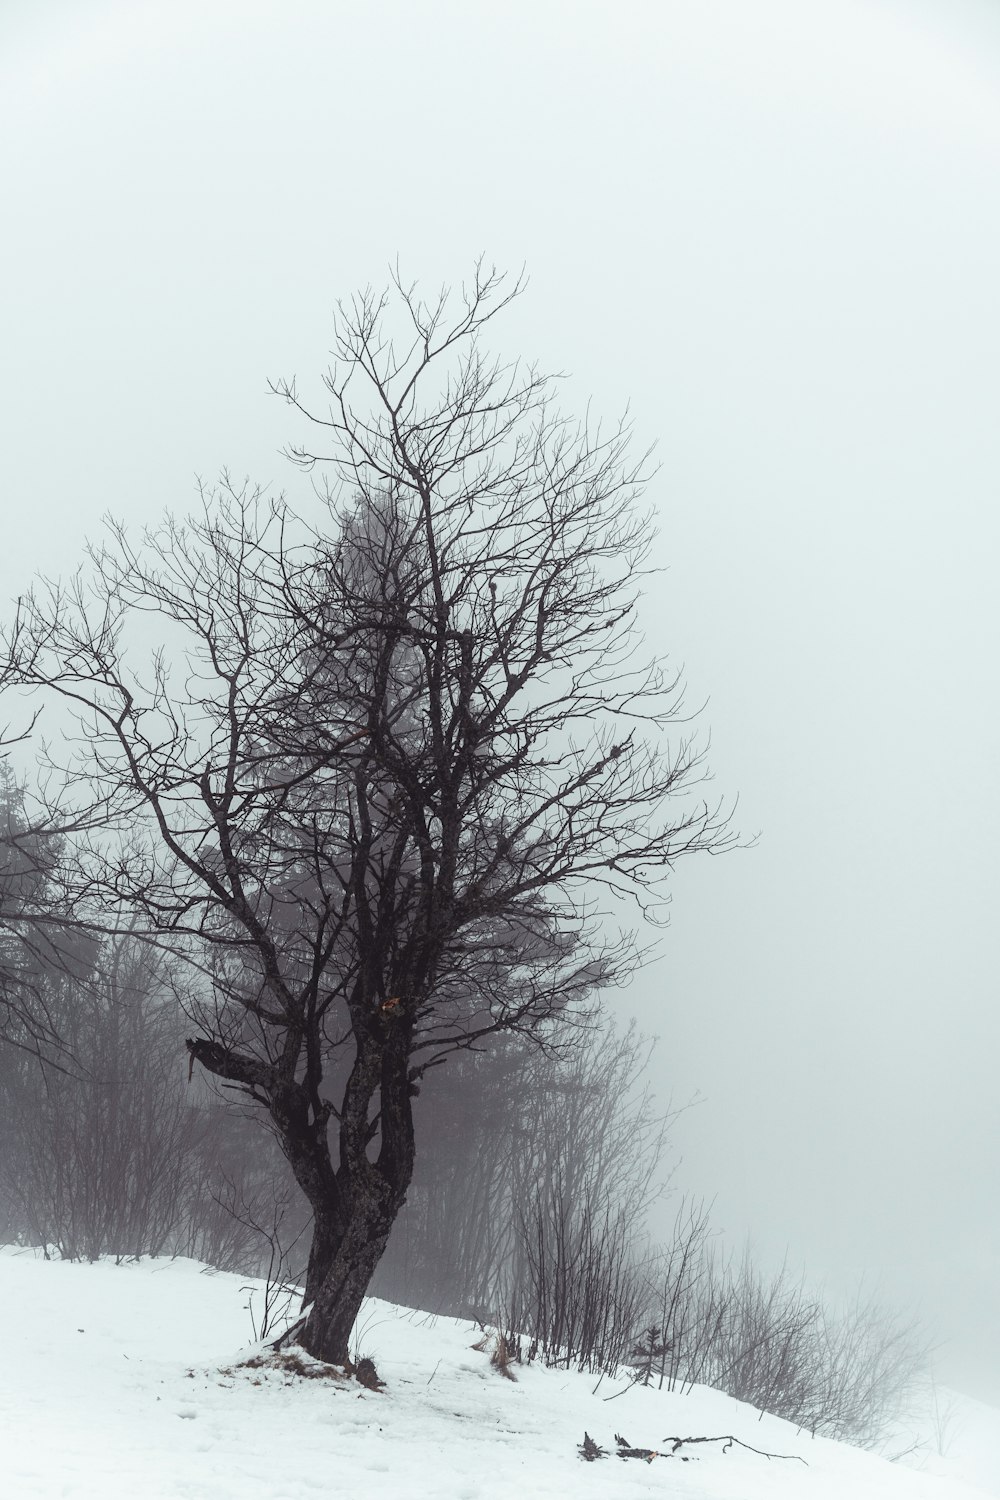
[
  {"x": 377, "y": 781},
  {"x": 40, "y": 948},
  {"x": 574, "y": 1128},
  {"x": 98, "y": 1154}
]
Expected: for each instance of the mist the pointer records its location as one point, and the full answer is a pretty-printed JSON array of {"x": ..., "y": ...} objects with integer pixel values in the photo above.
[{"x": 771, "y": 232}]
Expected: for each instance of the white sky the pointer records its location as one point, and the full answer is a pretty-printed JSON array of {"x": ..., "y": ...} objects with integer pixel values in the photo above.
[{"x": 774, "y": 229}]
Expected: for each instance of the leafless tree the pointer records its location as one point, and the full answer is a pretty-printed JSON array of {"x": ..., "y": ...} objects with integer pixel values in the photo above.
[
  {"x": 39, "y": 948},
  {"x": 377, "y": 780},
  {"x": 98, "y": 1152},
  {"x": 502, "y": 1132}
]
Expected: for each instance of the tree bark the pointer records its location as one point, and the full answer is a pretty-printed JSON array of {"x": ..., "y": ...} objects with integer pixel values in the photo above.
[
  {"x": 338, "y": 1287},
  {"x": 355, "y": 1207}
]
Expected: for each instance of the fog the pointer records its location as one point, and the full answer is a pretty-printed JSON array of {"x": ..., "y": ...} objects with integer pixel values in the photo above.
[{"x": 772, "y": 230}]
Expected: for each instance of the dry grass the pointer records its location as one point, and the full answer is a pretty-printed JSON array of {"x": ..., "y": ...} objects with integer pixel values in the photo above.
[
  {"x": 292, "y": 1362},
  {"x": 503, "y": 1355}
]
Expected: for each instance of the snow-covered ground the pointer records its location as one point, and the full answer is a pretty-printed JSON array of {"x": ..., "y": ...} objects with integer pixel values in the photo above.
[{"x": 129, "y": 1383}]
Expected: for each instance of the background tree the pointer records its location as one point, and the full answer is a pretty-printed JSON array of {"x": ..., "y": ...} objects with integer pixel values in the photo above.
[
  {"x": 98, "y": 1153},
  {"x": 513, "y": 1135},
  {"x": 378, "y": 778},
  {"x": 41, "y": 949}
]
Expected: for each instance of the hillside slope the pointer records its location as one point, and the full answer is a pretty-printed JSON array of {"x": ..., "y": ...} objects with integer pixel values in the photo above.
[{"x": 125, "y": 1381}]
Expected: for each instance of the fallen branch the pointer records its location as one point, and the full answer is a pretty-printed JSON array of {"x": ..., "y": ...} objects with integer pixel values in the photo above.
[
  {"x": 728, "y": 1442},
  {"x": 625, "y": 1449}
]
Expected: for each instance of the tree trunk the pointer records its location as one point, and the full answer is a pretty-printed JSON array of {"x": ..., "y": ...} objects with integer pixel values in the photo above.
[
  {"x": 354, "y": 1205},
  {"x": 326, "y": 1236},
  {"x": 338, "y": 1287},
  {"x": 352, "y": 1230}
]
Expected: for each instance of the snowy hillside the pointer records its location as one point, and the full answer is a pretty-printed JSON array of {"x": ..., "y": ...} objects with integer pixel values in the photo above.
[{"x": 131, "y": 1381}]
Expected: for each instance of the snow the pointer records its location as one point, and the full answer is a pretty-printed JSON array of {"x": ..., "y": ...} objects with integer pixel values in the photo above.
[
  {"x": 963, "y": 1439},
  {"x": 131, "y": 1380}
]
